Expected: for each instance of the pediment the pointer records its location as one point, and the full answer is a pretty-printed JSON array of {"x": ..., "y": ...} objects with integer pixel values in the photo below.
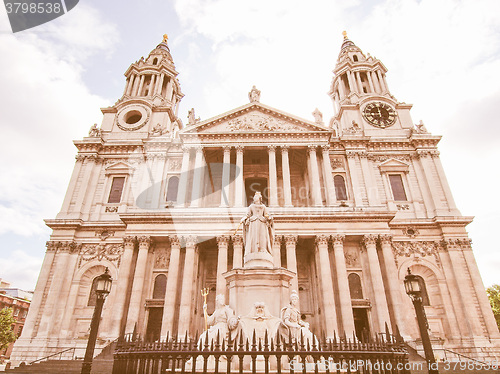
[
  {"x": 393, "y": 165},
  {"x": 254, "y": 117},
  {"x": 118, "y": 168}
]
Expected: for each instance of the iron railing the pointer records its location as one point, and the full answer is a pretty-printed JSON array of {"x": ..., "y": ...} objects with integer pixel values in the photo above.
[{"x": 277, "y": 355}]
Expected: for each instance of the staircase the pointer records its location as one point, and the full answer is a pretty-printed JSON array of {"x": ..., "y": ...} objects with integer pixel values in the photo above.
[{"x": 102, "y": 364}]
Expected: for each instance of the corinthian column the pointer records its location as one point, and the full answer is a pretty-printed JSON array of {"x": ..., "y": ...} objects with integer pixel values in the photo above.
[
  {"x": 238, "y": 186},
  {"x": 326, "y": 285},
  {"x": 138, "y": 284},
  {"x": 393, "y": 282},
  {"x": 327, "y": 172},
  {"x": 316, "y": 187},
  {"x": 167, "y": 324},
  {"x": 222, "y": 242},
  {"x": 381, "y": 308},
  {"x": 120, "y": 307},
  {"x": 226, "y": 169},
  {"x": 183, "y": 180},
  {"x": 344, "y": 294},
  {"x": 197, "y": 178},
  {"x": 287, "y": 186},
  {"x": 277, "y": 251},
  {"x": 291, "y": 258},
  {"x": 273, "y": 176},
  {"x": 185, "y": 310}
]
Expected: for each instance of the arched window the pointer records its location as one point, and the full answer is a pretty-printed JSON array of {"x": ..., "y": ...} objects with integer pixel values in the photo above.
[
  {"x": 155, "y": 61},
  {"x": 160, "y": 287},
  {"x": 425, "y": 295},
  {"x": 355, "y": 58},
  {"x": 93, "y": 295},
  {"x": 173, "y": 186},
  {"x": 340, "y": 190},
  {"x": 355, "y": 288}
]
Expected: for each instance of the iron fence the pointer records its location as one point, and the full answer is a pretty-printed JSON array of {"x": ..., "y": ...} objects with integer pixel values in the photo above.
[{"x": 379, "y": 355}]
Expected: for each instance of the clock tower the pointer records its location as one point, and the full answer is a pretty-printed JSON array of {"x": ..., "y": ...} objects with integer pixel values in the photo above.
[{"x": 362, "y": 100}]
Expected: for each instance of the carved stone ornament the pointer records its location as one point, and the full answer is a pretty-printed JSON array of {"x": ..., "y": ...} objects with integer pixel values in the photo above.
[
  {"x": 95, "y": 132},
  {"x": 254, "y": 95},
  {"x": 111, "y": 209},
  {"x": 382, "y": 158},
  {"x": 175, "y": 164},
  {"x": 337, "y": 163},
  {"x": 158, "y": 130},
  {"x": 69, "y": 246},
  {"x": 162, "y": 259},
  {"x": 411, "y": 231},
  {"x": 322, "y": 239},
  {"x": 420, "y": 128},
  {"x": 260, "y": 122},
  {"x": 111, "y": 252},
  {"x": 353, "y": 129},
  {"x": 403, "y": 206},
  {"x": 416, "y": 250},
  {"x": 352, "y": 258},
  {"x": 104, "y": 234}
]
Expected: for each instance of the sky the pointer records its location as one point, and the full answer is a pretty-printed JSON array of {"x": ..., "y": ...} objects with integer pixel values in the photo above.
[{"x": 443, "y": 57}]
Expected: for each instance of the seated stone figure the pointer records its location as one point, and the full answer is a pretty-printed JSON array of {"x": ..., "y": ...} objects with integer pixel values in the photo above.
[
  {"x": 259, "y": 320},
  {"x": 292, "y": 325},
  {"x": 220, "y": 322}
]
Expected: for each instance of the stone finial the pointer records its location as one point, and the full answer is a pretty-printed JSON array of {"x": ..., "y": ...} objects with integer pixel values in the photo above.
[
  {"x": 165, "y": 38},
  {"x": 192, "y": 118},
  {"x": 254, "y": 95},
  {"x": 318, "y": 117}
]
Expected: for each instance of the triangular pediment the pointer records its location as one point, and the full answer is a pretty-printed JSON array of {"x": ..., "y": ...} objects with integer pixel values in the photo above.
[
  {"x": 393, "y": 165},
  {"x": 254, "y": 117},
  {"x": 118, "y": 167}
]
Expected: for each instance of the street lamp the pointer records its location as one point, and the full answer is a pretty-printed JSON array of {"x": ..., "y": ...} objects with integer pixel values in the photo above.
[
  {"x": 102, "y": 289},
  {"x": 413, "y": 288}
]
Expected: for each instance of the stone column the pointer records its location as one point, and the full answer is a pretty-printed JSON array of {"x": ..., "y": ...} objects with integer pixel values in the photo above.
[
  {"x": 326, "y": 285},
  {"x": 196, "y": 193},
  {"x": 238, "y": 186},
  {"x": 185, "y": 310},
  {"x": 38, "y": 300},
  {"x": 151, "y": 85},
  {"x": 342, "y": 281},
  {"x": 222, "y": 243},
  {"x": 287, "y": 186},
  {"x": 351, "y": 162},
  {"x": 138, "y": 283},
  {"x": 226, "y": 169},
  {"x": 381, "y": 81},
  {"x": 370, "y": 81},
  {"x": 167, "y": 324},
  {"x": 273, "y": 176},
  {"x": 141, "y": 84},
  {"x": 352, "y": 86},
  {"x": 394, "y": 284},
  {"x": 183, "y": 180},
  {"x": 316, "y": 187},
  {"x": 277, "y": 251},
  {"x": 375, "y": 82},
  {"x": 120, "y": 307},
  {"x": 59, "y": 278},
  {"x": 358, "y": 80},
  {"x": 327, "y": 172},
  {"x": 291, "y": 258},
  {"x": 130, "y": 85},
  {"x": 89, "y": 164},
  {"x": 237, "y": 251},
  {"x": 136, "y": 85},
  {"x": 381, "y": 307}
]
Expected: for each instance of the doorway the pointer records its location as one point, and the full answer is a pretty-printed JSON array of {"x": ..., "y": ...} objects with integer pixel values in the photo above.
[
  {"x": 153, "y": 330},
  {"x": 361, "y": 324}
]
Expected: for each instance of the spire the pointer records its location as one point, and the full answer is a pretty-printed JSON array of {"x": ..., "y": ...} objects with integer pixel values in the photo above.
[
  {"x": 349, "y": 50},
  {"x": 162, "y": 49}
]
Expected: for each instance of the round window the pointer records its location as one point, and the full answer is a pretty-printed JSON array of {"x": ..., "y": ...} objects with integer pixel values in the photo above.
[{"x": 133, "y": 117}]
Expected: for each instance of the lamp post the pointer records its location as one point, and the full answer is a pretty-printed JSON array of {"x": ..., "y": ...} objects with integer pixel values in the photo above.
[
  {"x": 414, "y": 289},
  {"x": 102, "y": 289}
]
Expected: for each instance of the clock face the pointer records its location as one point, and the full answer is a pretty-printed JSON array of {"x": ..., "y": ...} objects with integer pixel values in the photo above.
[{"x": 379, "y": 114}]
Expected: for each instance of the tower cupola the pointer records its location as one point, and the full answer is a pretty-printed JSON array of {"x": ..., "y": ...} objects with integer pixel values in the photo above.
[{"x": 356, "y": 76}]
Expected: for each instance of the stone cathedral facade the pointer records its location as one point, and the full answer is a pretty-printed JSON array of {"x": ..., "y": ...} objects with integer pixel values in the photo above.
[{"x": 356, "y": 202}]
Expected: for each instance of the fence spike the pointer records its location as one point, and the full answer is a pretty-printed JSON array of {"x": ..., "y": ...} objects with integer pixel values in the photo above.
[
  {"x": 399, "y": 338},
  {"x": 387, "y": 333}
]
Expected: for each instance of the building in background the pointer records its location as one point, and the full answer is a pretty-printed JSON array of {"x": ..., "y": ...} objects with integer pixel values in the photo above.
[
  {"x": 20, "y": 307},
  {"x": 357, "y": 200}
]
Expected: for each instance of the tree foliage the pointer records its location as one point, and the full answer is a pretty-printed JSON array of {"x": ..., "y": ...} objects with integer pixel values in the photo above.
[
  {"x": 494, "y": 297},
  {"x": 6, "y": 328}
]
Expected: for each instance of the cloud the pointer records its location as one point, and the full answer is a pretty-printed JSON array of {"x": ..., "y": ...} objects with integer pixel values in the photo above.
[
  {"x": 44, "y": 102},
  {"x": 20, "y": 269}
]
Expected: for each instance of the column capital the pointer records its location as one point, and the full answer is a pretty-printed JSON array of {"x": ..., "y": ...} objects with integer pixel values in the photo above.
[
  {"x": 369, "y": 239},
  {"x": 186, "y": 148},
  {"x": 144, "y": 241},
  {"x": 291, "y": 239},
  {"x": 223, "y": 239},
  {"x": 312, "y": 148},
  {"x": 338, "y": 239},
  {"x": 237, "y": 239},
  {"x": 226, "y": 148},
  {"x": 198, "y": 148},
  {"x": 325, "y": 148},
  {"x": 385, "y": 238},
  {"x": 190, "y": 240},
  {"x": 284, "y": 148},
  {"x": 174, "y": 240},
  {"x": 239, "y": 148},
  {"x": 129, "y": 240},
  {"x": 278, "y": 239},
  {"x": 322, "y": 239},
  {"x": 271, "y": 148}
]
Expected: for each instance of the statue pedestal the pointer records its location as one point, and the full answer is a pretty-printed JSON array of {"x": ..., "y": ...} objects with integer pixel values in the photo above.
[
  {"x": 247, "y": 286},
  {"x": 258, "y": 260}
]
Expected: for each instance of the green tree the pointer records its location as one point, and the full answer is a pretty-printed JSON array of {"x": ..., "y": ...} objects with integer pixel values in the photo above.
[
  {"x": 494, "y": 296},
  {"x": 6, "y": 328}
]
